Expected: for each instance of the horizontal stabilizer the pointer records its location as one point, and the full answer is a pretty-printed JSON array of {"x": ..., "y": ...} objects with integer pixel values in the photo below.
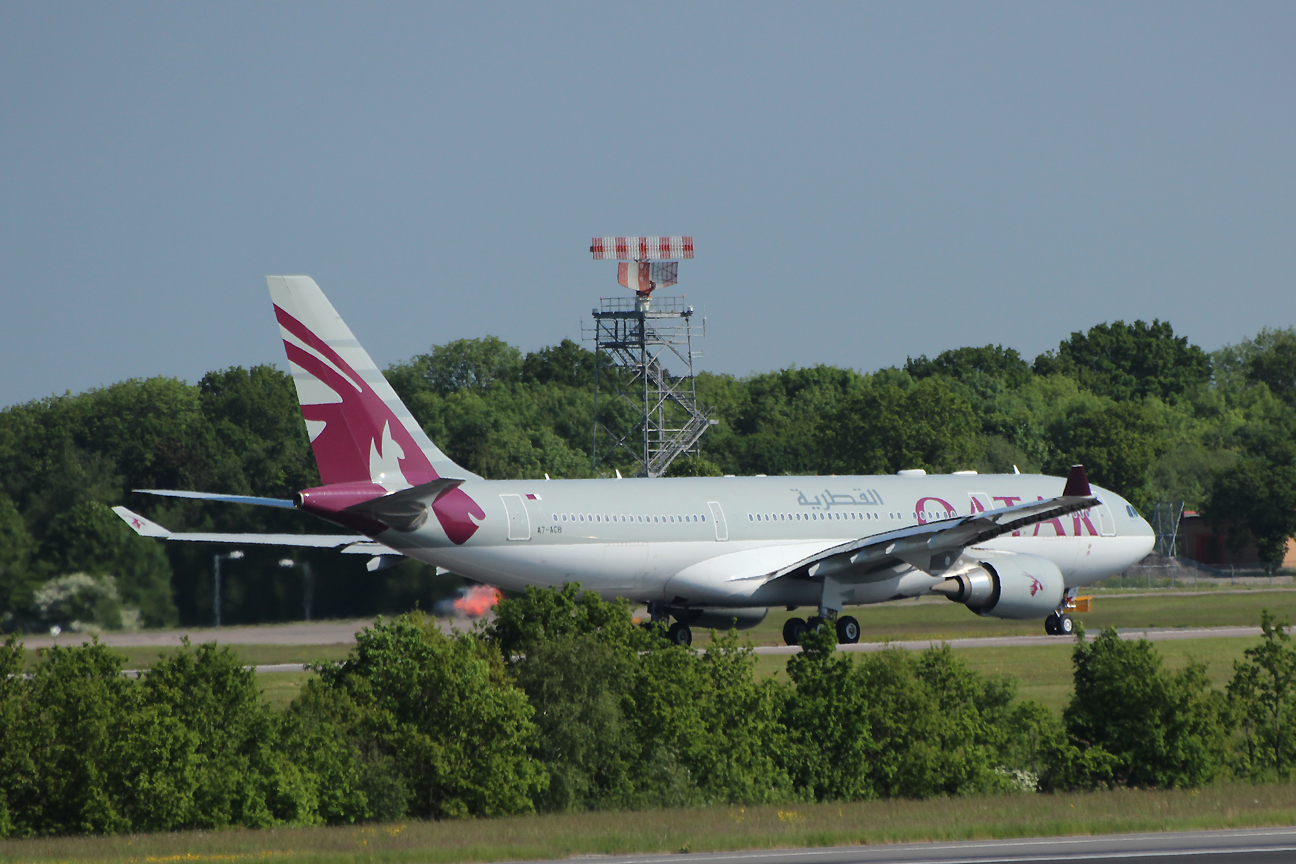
[
  {"x": 407, "y": 509},
  {"x": 286, "y": 503},
  {"x": 351, "y": 543}
]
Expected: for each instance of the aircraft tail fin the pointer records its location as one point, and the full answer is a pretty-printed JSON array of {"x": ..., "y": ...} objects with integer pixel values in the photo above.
[{"x": 359, "y": 428}]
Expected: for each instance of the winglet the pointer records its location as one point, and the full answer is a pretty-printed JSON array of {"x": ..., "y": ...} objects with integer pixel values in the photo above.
[
  {"x": 141, "y": 526},
  {"x": 1077, "y": 485}
]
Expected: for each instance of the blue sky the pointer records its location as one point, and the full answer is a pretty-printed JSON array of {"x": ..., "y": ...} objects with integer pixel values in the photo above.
[{"x": 865, "y": 182}]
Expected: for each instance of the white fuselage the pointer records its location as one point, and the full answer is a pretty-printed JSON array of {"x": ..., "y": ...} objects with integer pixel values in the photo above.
[{"x": 713, "y": 541}]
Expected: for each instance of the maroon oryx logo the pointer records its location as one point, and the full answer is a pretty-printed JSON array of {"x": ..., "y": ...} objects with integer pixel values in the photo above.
[{"x": 1035, "y": 585}]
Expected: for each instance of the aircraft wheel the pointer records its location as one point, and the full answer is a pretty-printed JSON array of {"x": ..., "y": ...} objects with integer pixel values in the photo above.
[
  {"x": 848, "y": 630},
  {"x": 793, "y": 630},
  {"x": 817, "y": 624},
  {"x": 1065, "y": 626},
  {"x": 680, "y": 634},
  {"x": 1051, "y": 624}
]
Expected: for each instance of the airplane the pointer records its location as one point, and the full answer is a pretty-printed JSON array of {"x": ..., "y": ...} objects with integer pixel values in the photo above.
[{"x": 707, "y": 551}]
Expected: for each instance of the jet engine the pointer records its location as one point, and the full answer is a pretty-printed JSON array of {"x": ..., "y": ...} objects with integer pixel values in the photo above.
[
  {"x": 1023, "y": 586},
  {"x": 720, "y": 618}
]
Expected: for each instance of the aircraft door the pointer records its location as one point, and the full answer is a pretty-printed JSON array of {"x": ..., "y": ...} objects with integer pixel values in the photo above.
[
  {"x": 1106, "y": 525},
  {"x": 519, "y": 523},
  {"x": 717, "y": 516}
]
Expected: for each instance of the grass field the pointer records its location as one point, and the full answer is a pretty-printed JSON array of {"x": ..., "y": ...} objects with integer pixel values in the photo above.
[
  {"x": 701, "y": 830},
  {"x": 1043, "y": 672},
  {"x": 938, "y": 618}
]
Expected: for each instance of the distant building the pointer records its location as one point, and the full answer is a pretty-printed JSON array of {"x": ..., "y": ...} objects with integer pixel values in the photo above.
[{"x": 1200, "y": 543}]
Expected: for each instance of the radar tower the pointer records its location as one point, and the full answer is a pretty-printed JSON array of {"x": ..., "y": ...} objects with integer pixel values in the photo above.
[{"x": 633, "y": 336}]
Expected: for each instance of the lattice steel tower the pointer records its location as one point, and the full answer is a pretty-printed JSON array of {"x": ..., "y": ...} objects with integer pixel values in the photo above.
[{"x": 640, "y": 407}]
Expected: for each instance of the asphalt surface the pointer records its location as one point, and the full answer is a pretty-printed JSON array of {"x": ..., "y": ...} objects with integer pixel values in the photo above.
[
  {"x": 343, "y": 633},
  {"x": 1251, "y": 846},
  {"x": 1152, "y": 634}
]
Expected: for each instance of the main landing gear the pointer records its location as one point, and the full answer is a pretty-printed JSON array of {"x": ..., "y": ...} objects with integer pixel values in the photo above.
[
  {"x": 1059, "y": 625},
  {"x": 848, "y": 629},
  {"x": 678, "y": 633}
]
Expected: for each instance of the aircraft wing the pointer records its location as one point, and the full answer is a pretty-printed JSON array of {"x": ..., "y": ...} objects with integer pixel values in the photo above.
[
  {"x": 936, "y": 546},
  {"x": 356, "y": 544},
  {"x": 215, "y": 496}
]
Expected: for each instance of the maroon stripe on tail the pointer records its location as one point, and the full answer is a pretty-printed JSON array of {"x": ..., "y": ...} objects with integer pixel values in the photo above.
[{"x": 353, "y": 428}]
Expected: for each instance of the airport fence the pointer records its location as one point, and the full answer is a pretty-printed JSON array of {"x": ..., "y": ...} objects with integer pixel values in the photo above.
[{"x": 1166, "y": 572}]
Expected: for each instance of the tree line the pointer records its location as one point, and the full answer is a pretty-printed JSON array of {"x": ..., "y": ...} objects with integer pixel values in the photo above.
[
  {"x": 1150, "y": 415},
  {"x": 563, "y": 703}
]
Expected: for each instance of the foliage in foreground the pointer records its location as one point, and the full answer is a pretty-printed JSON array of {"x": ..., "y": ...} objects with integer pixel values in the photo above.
[{"x": 562, "y": 703}]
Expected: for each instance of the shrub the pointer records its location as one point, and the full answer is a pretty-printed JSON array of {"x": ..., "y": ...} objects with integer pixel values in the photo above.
[
  {"x": 1163, "y": 729},
  {"x": 433, "y": 719}
]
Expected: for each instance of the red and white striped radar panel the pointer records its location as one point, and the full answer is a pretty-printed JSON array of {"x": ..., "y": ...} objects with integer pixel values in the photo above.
[
  {"x": 645, "y": 277},
  {"x": 641, "y": 248}
]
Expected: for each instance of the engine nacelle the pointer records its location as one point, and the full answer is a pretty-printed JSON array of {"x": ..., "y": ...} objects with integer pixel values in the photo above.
[
  {"x": 719, "y": 617},
  {"x": 1023, "y": 586}
]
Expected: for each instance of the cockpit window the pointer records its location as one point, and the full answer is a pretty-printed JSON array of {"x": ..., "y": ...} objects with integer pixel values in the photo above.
[{"x": 1129, "y": 508}]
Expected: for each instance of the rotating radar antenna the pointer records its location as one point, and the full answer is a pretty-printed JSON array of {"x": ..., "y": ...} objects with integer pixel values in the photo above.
[{"x": 641, "y": 408}]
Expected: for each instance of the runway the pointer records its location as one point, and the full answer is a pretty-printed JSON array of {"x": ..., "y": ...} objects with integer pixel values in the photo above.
[
  {"x": 1252, "y": 846},
  {"x": 343, "y": 633},
  {"x": 1152, "y": 634}
]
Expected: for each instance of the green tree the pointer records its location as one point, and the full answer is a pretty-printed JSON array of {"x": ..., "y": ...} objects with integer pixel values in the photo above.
[
  {"x": 831, "y": 752},
  {"x": 445, "y": 713},
  {"x": 694, "y": 466},
  {"x": 467, "y": 364},
  {"x": 243, "y": 776},
  {"x": 971, "y": 364},
  {"x": 1164, "y": 729},
  {"x": 255, "y": 417},
  {"x": 1117, "y": 444},
  {"x": 1129, "y": 361},
  {"x": 578, "y": 686},
  {"x": 91, "y": 539},
  {"x": 16, "y": 546},
  {"x": 1255, "y": 498},
  {"x": 1263, "y": 695},
  {"x": 567, "y": 364},
  {"x": 543, "y": 616},
  {"x": 84, "y": 754},
  {"x": 769, "y": 425},
  {"x": 882, "y": 428}
]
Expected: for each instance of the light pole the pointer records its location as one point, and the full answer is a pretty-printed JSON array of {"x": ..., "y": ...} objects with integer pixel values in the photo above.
[
  {"x": 309, "y": 582},
  {"x": 216, "y": 601}
]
